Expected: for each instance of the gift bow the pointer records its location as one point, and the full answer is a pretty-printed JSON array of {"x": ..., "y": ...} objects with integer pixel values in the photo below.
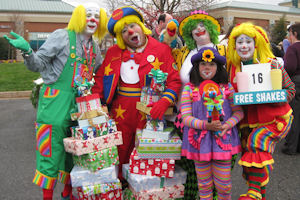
[
  {"x": 158, "y": 75},
  {"x": 127, "y": 55}
]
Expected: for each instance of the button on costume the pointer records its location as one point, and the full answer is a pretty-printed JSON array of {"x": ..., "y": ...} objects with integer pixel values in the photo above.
[{"x": 123, "y": 74}]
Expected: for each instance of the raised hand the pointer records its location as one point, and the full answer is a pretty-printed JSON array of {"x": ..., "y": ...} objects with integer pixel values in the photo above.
[{"x": 19, "y": 42}]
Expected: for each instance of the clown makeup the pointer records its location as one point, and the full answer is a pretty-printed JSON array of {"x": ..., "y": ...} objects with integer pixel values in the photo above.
[
  {"x": 245, "y": 47},
  {"x": 207, "y": 70},
  {"x": 201, "y": 35},
  {"x": 133, "y": 36},
  {"x": 92, "y": 20}
]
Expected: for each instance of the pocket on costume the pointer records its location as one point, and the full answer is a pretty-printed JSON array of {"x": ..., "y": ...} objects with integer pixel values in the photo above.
[
  {"x": 43, "y": 139},
  {"x": 50, "y": 92}
]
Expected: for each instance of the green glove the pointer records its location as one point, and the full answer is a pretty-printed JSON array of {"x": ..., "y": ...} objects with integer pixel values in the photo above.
[{"x": 19, "y": 42}]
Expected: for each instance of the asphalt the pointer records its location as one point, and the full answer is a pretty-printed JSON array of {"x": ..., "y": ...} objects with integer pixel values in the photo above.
[{"x": 17, "y": 156}]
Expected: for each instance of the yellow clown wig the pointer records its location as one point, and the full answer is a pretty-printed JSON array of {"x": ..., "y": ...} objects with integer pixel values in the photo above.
[
  {"x": 262, "y": 51},
  {"x": 119, "y": 26},
  {"x": 77, "y": 22}
]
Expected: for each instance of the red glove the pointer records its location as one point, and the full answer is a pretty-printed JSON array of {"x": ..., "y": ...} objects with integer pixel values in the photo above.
[{"x": 159, "y": 108}]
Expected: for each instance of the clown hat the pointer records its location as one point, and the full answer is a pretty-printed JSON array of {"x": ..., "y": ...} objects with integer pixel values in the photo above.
[
  {"x": 208, "y": 54},
  {"x": 198, "y": 14},
  {"x": 119, "y": 14}
]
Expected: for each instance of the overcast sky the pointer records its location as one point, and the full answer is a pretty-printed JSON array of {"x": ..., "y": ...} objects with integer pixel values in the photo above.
[{"x": 100, "y": 2}]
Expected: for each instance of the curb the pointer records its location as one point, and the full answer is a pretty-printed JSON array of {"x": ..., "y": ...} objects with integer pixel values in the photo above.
[{"x": 15, "y": 95}]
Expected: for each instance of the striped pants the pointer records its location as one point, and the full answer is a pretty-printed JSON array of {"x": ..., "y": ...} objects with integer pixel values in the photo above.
[{"x": 214, "y": 173}]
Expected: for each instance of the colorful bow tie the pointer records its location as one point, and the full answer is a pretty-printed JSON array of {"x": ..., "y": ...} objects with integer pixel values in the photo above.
[{"x": 127, "y": 55}]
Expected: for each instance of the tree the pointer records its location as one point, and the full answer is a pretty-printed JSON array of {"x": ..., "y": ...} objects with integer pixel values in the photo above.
[
  {"x": 152, "y": 8},
  {"x": 278, "y": 31}
]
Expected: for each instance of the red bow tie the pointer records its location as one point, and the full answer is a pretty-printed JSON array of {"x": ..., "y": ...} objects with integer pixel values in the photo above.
[{"x": 127, "y": 55}]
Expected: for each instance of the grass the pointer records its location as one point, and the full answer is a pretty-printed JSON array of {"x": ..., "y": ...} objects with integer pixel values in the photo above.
[{"x": 16, "y": 77}]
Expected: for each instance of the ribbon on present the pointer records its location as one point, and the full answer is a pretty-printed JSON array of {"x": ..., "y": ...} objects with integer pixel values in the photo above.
[{"x": 159, "y": 78}]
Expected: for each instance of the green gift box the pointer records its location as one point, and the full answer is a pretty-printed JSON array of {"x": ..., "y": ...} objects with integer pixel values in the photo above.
[{"x": 98, "y": 160}]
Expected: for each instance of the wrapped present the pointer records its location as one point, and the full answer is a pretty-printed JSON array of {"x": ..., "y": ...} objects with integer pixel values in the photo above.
[
  {"x": 144, "y": 182},
  {"x": 158, "y": 148},
  {"x": 143, "y": 107},
  {"x": 80, "y": 147},
  {"x": 155, "y": 124},
  {"x": 165, "y": 193},
  {"x": 102, "y": 129},
  {"x": 111, "y": 124},
  {"x": 151, "y": 167},
  {"x": 87, "y": 103},
  {"x": 84, "y": 133},
  {"x": 84, "y": 177},
  {"x": 166, "y": 134},
  {"x": 101, "y": 188},
  {"x": 88, "y": 114},
  {"x": 111, "y": 195},
  {"x": 98, "y": 160},
  {"x": 92, "y": 122}
]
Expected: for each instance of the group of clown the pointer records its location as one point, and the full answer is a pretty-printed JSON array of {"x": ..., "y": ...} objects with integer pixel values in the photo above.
[{"x": 200, "y": 79}]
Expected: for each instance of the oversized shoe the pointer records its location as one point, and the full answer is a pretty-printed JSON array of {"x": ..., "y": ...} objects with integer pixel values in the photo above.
[{"x": 246, "y": 197}]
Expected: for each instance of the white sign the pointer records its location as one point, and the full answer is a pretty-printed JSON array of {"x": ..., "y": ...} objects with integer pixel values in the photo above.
[{"x": 259, "y": 76}]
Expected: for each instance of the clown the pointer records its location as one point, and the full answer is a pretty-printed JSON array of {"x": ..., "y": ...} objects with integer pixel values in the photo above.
[
  {"x": 125, "y": 71},
  {"x": 65, "y": 61},
  {"x": 264, "y": 124},
  {"x": 198, "y": 30}
]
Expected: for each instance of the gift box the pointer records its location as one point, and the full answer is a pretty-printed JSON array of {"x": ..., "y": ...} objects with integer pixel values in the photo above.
[
  {"x": 151, "y": 167},
  {"x": 165, "y": 193},
  {"x": 84, "y": 133},
  {"x": 144, "y": 182},
  {"x": 166, "y": 134},
  {"x": 101, "y": 188},
  {"x": 87, "y": 103},
  {"x": 111, "y": 195},
  {"x": 111, "y": 124},
  {"x": 80, "y": 147},
  {"x": 98, "y": 160},
  {"x": 92, "y": 122},
  {"x": 158, "y": 148},
  {"x": 143, "y": 107},
  {"x": 88, "y": 114},
  {"x": 84, "y": 177}
]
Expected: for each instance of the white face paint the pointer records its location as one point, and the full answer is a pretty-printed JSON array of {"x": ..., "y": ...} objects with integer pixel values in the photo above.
[
  {"x": 245, "y": 46},
  {"x": 92, "y": 20},
  {"x": 207, "y": 70},
  {"x": 201, "y": 35}
]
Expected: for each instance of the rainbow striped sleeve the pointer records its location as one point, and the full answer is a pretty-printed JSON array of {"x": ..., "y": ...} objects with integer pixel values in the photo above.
[
  {"x": 170, "y": 95},
  {"x": 237, "y": 111},
  {"x": 287, "y": 84},
  {"x": 186, "y": 110}
]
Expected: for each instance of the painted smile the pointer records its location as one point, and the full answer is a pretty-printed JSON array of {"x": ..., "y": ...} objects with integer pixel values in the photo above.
[{"x": 200, "y": 33}]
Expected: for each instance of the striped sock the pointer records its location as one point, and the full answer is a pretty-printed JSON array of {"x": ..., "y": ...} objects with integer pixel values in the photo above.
[
  {"x": 263, "y": 192},
  {"x": 205, "y": 182},
  {"x": 257, "y": 178},
  {"x": 221, "y": 170}
]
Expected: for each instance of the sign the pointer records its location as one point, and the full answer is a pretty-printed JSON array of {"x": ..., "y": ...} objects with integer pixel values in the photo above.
[
  {"x": 259, "y": 76},
  {"x": 259, "y": 97}
]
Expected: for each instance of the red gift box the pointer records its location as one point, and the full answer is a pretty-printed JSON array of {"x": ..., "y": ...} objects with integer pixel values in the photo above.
[
  {"x": 151, "y": 167},
  {"x": 87, "y": 103},
  {"x": 111, "y": 195}
]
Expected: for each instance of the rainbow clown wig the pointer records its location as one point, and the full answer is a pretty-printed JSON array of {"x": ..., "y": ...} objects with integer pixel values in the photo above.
[
  {"x": 77, "y": 22},
  {"x": 262, "y": 51},
  {"x": 191, "y": 22},
  {"x": 121, "y": 17}
]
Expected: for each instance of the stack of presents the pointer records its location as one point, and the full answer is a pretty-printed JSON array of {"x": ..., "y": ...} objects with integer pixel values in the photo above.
[
  {"x": 151, "y": 173},
  {"x": 94, "y": 148}
]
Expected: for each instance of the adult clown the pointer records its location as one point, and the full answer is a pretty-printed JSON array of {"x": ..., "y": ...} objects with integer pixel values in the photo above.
[
  {"x": 125, "y": 71},
  {"x": 263, "y": 124},
  {"x": 57, "y": 60}
]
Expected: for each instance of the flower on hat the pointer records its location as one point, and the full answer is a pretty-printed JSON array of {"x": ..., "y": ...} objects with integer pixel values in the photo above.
[{"x": 208, "y": 55}]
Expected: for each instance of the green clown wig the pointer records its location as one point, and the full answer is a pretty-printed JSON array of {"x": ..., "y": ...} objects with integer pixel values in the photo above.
[
  {"x": 192, "y": 24},
  {"x": 77, "y": 22}
]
